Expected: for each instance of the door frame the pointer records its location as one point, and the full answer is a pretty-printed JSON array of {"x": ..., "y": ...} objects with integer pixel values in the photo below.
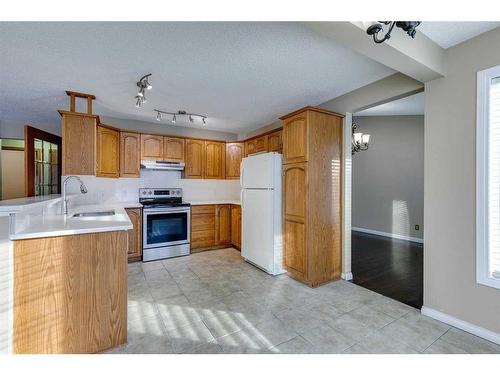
[{"x": 30, "y": 133}]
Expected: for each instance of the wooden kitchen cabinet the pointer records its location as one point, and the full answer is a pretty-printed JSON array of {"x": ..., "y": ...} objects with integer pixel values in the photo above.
[
  {"x": 194, "y": 158},
  {"x": 234, "y": 154},
  {"x": 274, "y": 142},
  {"x": 236, "y": 226},
  {"x": 223, "y": 225},
  {"x": 215, "y": 160},
  {"x": 202, "y": 227},
  {"x": 312, "y": 195},
  {"x": 295, "y": 140},
  {"x": 78, "y": 132},
  {"x": 255, "y": 145},
  {"x": 130, "y": 154},
  {"x": 151, "y": 147},
  {"x": 108, "y": 152},
  {"x": 135, "y": 234},
  {"x": 174, "y": 149}
]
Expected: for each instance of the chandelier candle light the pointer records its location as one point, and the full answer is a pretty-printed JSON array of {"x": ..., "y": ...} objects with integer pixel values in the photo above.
[
  {"x": 174, "y": 115},
  {"x": 359, "y": 141}
]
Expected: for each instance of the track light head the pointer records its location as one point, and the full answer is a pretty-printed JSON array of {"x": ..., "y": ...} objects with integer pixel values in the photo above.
[
  {"x": 191, "y": 119},
  {"x": 148, "y": 85},
  {"x": 158, "y": 116},
  {"x": 174, "y": 119},
  {"x": 138, "y": 101},
  {"x": 204, "y": 122}
]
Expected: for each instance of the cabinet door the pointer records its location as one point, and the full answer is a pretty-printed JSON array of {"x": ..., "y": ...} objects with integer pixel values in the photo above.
[
  {"x": 234, "y": 154},
  {"x": 130, "y": 154},
  {"x": 295, "y": 212},
  {"x": 250, "y": 147},
  {"x": 274, "y": 142},
  {"x": 151, "y": 147},
  {"x": 223, "y": 225},
  {"x": 236, "y": 226},
  {"x": 174, "y": 149},
  {"x": 78, "y": 144},
  {"x": 195, "y": 158},
  {"x": 215, "y": 160},
  {"x": 108, "y": 152},
  {"x": 135, "y": 234},
  {"x": 261, "y": 144},
  {"x": 295, "y": 139}
]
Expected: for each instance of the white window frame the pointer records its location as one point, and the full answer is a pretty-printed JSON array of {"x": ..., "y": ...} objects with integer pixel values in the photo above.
[{"x": 484, "y": 78}]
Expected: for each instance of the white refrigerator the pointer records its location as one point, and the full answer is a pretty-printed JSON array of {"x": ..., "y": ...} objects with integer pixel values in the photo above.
[{"x": 261, "y": 236}]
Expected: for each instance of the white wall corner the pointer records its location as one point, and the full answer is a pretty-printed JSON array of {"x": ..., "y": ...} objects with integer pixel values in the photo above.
[
  {"x": 461, "y": 324},
  {"x": 346, "y": 276},
  {"x": 346, "y": 197}
]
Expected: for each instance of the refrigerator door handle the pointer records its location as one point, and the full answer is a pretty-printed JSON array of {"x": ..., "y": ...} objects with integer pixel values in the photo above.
[
  {"x": 242, "y": 172},
  {"x": 241, "y": 198}
]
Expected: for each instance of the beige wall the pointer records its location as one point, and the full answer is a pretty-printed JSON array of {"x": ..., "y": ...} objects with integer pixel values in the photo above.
[
  {"x": 12, "y": 168},
  {"x": 450, "y": 124},
  {"x": 388, "y": 179}
]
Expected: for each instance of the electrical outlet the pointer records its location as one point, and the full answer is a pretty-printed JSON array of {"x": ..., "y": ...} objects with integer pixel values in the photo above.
[{"x": 417, "y": 227}]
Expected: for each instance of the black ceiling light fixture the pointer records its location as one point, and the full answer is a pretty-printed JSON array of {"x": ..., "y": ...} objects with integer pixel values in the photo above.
[
  {"x": 174, "y": 115},
  {"x": 143, "y": 85},
  {"x": 375, "y": 28}
]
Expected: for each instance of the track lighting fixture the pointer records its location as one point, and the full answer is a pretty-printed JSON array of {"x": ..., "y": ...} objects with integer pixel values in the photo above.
[
  {"x": 143, "y": 85},
  {"x": 190, "y": 116}
]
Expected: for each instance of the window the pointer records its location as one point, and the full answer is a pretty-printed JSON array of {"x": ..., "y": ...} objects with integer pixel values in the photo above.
[{"x": 488, "y": 178}]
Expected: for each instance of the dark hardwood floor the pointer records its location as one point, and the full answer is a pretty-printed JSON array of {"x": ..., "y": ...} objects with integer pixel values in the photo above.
[{"x": 393, "y": 268}]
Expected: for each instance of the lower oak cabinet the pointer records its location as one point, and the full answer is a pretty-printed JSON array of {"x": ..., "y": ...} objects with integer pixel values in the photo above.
[
  {"x": 135, "y": 234},
  {"x": 212, "y": 227},
  {"x": 236, "y": 226}
]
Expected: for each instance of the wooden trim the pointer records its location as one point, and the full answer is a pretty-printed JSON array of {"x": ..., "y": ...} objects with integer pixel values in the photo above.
[
  {"x": 30, "y": 134},
  {"x": 311, "y": 108},
  {"x": 80, "y": 94},
  {"x": 64, "y": 112},
  {"x": 9, "y": 148}
]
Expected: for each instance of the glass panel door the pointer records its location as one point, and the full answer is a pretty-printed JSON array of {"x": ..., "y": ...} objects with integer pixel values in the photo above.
[
  {"x": 46, "y": 167},
  {"x": 165, "y": 228}
]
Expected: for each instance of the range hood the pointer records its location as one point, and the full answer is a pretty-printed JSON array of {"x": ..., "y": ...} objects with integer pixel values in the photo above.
[{"x": 162, "y": 165}]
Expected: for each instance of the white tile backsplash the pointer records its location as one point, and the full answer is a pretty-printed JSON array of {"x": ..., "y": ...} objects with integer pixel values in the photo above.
[{"x": 101, "y": 190}]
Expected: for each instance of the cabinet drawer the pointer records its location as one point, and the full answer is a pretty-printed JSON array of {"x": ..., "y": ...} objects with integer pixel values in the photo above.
[
  {"x": 202, "y": 222},
  {"x": 208, "y": 209}
]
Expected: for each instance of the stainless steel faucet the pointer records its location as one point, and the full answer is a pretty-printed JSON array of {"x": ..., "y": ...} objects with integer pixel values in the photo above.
[{"x": 83, "y": 190}]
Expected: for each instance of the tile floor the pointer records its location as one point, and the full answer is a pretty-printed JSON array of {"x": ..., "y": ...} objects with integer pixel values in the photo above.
[{"x": 214, "y": 302}]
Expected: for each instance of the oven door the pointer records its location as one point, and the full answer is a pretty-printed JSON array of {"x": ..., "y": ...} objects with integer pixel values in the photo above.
[{"x": 165, "y": 227}]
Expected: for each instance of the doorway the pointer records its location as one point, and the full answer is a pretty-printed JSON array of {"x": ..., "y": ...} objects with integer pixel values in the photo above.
[
  {"x": 43, "y": 155},
  {"x": 387, "y": 200}
]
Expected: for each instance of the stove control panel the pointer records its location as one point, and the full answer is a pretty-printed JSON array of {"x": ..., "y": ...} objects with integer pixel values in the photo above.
[{"x": 160, "y": 193}]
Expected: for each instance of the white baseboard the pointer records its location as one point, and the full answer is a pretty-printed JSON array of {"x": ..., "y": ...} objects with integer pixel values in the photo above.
[
  {"x": 346, "y": 276},
  {"x": 385, "y": 234},
  {"x": 462, "y": 324}
]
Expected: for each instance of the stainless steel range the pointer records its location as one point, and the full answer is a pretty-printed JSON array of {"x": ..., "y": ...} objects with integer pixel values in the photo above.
[{"x": 166, "y": 223}]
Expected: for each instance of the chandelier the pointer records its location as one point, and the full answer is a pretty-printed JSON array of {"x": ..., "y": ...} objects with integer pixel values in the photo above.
[
  {"x": 174, "y": 115},
  {"x": 376, "y": 27},
  {"x": 359, "y": 141}
]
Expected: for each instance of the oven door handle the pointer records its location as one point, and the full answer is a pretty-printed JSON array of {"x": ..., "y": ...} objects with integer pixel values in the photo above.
[{"x": 163, "y": 211}]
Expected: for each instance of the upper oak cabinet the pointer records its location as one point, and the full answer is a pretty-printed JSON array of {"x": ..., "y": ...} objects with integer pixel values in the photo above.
[
  {"x": 274, "y": 142},
  {"x": 255, "y": 145},
  {"x": 195, "y": 158},
  {"x": 108, "y": 152},
  {"x": 234, "y": 154},
  {"x": 295, "y": 140},
  {"x": 173, "y": 149},
  {"x": 215, "y": 160},
  {"x": 151, "y": 147},
  {"x": 78, "y": 132},
  {"x": 130, "y": 154},
  {"x": 312, "y": 185}
]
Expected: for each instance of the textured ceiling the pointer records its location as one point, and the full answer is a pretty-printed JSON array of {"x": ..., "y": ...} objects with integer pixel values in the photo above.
[
  {"x": 447, "y": 34},
  {"x": 411, "y": 105},
  {"x": 241, "y": 75}
]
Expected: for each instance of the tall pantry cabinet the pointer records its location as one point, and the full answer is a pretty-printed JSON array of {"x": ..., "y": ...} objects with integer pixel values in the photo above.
[{"x": 312, "y": 194}]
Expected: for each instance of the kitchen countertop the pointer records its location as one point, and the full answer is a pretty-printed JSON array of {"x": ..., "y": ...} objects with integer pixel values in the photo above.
[
  {"x": 130, "y": 204},
  {"x": 199, "y": 203},
  {"x": 15, "y": 205},
  {"x": 51, "y": 225}
]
